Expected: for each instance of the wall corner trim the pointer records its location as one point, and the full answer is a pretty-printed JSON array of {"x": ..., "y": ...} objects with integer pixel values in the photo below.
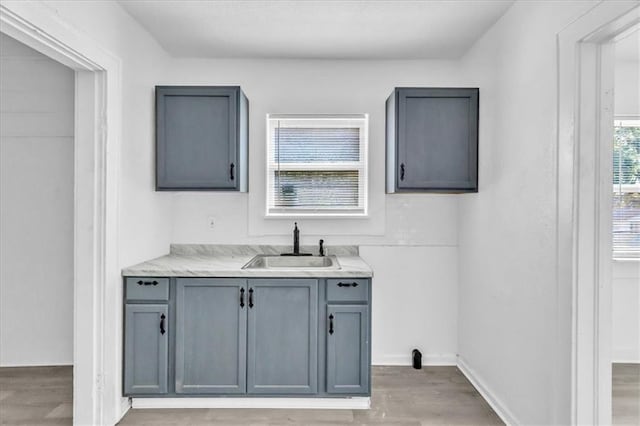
[{"x": 496, "y": 404}]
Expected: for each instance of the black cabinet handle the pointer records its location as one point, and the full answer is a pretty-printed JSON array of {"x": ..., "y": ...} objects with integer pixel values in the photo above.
[
  {"x": 231, "y": 167},
  {"x": 251, "y": 298},
  {"x": 147, "y": 282},
  {"x": 162, "y": 330},
  {"x": 402, "y": 171},
  {"x": 242, "y": 297},
  {"x": 354, "y": 284},
  {"x": 331, "y": 324}
]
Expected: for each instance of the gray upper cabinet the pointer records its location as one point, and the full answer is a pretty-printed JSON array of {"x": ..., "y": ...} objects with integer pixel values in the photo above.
[
  {"x": 211, "y": 324},
  {"x": 432, "y": 140},
  {"x": 146, "y": 349},
  {"x": 283, "y": 336},
  {"x": 201, "y": 138}
]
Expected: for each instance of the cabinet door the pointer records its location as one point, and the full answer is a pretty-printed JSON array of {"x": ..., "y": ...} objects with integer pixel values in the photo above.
[
  {"x": 211, "y": 327},
  {"x": 197, "y": 135},
  {"x": 348, "y": 349},
  {"x": 283, "y": 337},
  {"x": 437, "y": 137},
  {"x": 146, "y": 349}
]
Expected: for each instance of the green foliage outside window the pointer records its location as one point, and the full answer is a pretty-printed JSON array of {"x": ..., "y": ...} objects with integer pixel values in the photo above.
[{"x": 626, "y": 155}]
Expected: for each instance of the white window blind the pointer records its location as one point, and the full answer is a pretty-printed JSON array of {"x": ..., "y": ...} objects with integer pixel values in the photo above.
[
  {"x": 626, "y": 189},
  {"x": 317, "y": 165}
]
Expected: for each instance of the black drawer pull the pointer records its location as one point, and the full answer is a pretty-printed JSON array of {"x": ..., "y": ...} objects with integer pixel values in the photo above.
[
  {"x": 231, "y": 167},
  {"x": 402, "y": 171},
  {"x": 354, "y": 284},
  {"x": 242, "y": 297},
  {"x": 331, "y": 324},
  {"x": 162, "y": 330},
  {"x": 251, "y": 298},
  {"x": 147, "y": 282}
]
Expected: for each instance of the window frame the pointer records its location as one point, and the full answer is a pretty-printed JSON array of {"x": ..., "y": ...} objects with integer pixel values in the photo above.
[
  {"x": 361, "y": 166},
  {"x": 623, "y": 121}
]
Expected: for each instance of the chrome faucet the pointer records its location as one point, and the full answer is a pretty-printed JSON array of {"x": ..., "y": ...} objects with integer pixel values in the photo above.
[
  {"x": 321, "y": 249},
  {"x": 296, "y": 239}
]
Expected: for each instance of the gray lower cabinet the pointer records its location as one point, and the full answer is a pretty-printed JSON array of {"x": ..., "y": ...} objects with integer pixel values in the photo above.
[
  {"x": 347, "y": 349},
  {"x": 146, "y": 349},
  {"x": 283, "y": 337},
  {"x": 237, "y": 336},
  {"x": 211, "y": 327}
]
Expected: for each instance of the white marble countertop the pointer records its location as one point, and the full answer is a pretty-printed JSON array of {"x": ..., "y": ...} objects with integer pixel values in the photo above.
[{"x": 187, "y": 260}]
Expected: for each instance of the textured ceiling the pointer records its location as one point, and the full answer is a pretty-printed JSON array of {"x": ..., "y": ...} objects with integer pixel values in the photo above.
[{"x": 329, "y": 29}]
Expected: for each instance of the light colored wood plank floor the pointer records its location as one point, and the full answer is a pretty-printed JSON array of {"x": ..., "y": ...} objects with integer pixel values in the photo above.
[
  {"x": 626, "y": 394},
  {"x": 401, "y": 396},
  {"x": 36, "y": 395}
]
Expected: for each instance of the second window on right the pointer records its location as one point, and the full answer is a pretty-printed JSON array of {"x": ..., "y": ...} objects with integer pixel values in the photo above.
[{"x": 626, "y": 189}]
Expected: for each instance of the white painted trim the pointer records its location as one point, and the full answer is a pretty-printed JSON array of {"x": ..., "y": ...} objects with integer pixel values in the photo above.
[
  {"x": 583, "y": 261},
  {"x": 496, "y": 404},
  {"x": 35, "y": 365},
  {"x": 97, "y": 295},
  {"x": 405, "y": 360},
  {"x": 625, "y": 361},
  {"x": 125, "y": 406},
  {"x": 354, "y": 403}
]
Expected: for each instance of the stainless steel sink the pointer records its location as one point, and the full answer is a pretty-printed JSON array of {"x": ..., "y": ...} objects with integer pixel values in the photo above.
[{"x": 268, "y": 261}]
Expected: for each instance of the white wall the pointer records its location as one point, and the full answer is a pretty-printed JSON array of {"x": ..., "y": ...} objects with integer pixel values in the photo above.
[
  {"x": 625, "y": 301},
  {"x": 413, "y": 306},
  {"x": 36, "y": 207},
  {"x": 508, "y": 291},
  {"x": 627, "y": 88},
  {"x": 625, "y": 298},
  {"x": 145, "y": 214}
]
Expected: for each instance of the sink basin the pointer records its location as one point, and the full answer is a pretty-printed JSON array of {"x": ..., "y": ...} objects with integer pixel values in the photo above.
[{"x": 267, "y": 261}]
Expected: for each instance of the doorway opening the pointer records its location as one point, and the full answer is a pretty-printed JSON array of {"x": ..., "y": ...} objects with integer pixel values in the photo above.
[
  {"x": 585, "y": 198},
  {"x": 625, "y": 279},
  {"x": 36, "y": 222}
]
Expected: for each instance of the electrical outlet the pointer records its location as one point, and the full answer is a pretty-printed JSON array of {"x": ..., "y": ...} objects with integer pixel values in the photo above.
[{"x": 211, "y": 222}]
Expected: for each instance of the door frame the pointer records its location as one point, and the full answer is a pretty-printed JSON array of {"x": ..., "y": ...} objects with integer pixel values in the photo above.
[
  {"x": 584, "y": 154},
  {"x": 96, "y": 365}
]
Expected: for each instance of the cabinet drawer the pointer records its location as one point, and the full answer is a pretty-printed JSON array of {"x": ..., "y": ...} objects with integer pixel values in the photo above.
[
  {"x": 147, "y": 288},
  {"x": 347, "y": 289}
]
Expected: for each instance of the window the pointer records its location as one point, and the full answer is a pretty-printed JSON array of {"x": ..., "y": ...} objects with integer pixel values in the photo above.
[
  {"x": 317, "y": 165},
  {"x": 626, "y": 189}
]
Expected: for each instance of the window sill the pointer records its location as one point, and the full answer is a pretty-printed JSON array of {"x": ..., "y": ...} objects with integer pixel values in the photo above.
[{"x": 290, "y": 216}]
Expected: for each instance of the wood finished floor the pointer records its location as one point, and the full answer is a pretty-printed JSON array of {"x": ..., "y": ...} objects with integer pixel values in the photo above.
[
  {"x": 36, "y": 395},
  {"x": 626, "y": 394},
  {"x": 401, "y": 396}
]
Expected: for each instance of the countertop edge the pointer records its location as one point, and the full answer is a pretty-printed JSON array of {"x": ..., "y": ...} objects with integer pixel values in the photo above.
[{"x": 172, "y": 265}]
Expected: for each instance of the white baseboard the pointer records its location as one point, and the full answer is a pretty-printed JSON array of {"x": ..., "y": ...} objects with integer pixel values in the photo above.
[
  {"x": 355, "y": 403},
  {"x": 10, "y": 365},
  {"x": 498, "y": 406},
  {"x": 625, "y": 355},
  {"x": 427, "y": 359},
  {"x": 125, "y": 405}
]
